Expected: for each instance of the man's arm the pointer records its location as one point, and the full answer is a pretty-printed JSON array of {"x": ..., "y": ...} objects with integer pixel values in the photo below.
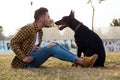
[{"x": 16, "y": 42}]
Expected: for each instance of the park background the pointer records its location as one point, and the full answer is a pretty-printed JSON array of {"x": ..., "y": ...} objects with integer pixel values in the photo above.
[{"x": 101, "y": 16}]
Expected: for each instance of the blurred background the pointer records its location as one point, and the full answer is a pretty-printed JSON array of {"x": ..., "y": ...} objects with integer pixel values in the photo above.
[{"x": 101, "y": 16}]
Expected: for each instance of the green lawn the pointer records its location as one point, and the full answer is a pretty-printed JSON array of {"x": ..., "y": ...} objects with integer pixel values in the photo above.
[{"x": 55, "y": 69}]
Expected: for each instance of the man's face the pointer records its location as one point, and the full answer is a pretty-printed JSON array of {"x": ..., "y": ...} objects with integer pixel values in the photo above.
[{"x": 47, "y": 20}]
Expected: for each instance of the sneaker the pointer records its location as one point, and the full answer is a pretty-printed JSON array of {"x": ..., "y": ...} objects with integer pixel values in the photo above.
[{"x": 89, "y": 61}]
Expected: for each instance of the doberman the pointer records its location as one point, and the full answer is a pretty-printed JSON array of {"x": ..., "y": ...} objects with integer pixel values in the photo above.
[{"x": 88, "y": 42}]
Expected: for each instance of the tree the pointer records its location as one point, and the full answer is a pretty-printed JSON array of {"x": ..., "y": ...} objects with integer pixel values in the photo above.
[
  {"x": 1, "y": 35},
  {"x": 93, "y": 7},
  {"x": 115, "y": 22},
  {"x": 52, "y": 23},
  {"x": 1, "y": 32},
  {"x": 1, "y": 29}
]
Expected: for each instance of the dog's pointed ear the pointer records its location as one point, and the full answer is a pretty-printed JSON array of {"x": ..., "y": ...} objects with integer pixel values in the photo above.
[{"x": 71, "y": 14}]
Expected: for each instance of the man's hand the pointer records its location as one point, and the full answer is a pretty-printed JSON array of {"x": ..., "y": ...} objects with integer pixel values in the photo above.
[
  {"x": 51, "y": 44},
  {"x": 28, "y": 59},
  {"x": 35, "y": 48}
]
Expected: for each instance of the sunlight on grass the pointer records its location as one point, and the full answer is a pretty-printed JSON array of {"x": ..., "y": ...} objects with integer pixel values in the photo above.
[{"x": 55, "y": 69}]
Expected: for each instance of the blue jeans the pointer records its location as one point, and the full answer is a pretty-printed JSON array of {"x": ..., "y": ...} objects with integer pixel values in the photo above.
[{"x": 57, "y": 51}]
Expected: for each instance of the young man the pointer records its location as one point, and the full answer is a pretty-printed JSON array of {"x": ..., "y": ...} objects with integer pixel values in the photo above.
[{"x": 26, "y": 42}]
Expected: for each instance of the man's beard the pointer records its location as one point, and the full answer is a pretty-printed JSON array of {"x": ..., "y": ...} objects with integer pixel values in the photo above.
[{"x": 46, "y": 26}]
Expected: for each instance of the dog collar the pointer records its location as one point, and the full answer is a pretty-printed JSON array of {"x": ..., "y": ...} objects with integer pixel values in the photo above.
[{"x": 78, "y": 26}]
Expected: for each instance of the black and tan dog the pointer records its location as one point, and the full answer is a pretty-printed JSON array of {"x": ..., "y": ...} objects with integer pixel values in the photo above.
[{"x": 87, "y": 41}]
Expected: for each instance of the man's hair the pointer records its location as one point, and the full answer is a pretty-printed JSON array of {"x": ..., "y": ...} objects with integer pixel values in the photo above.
[{"x": 39, "y": 12}]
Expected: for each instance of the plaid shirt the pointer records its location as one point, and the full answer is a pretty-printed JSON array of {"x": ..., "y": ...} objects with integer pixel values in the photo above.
[{"x": 22, "y": 44}]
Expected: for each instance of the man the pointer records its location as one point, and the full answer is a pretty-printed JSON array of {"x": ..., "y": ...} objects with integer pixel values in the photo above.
[{"x": 26, "y": 42}]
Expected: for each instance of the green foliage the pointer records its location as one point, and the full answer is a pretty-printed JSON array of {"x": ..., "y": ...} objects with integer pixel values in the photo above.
[
  {"x": 115, "y": 22},
  {"x": 1, "y": 29},
  {"x": 1, "y": 35}
]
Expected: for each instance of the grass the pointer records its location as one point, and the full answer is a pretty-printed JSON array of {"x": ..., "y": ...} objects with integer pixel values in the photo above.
[{"x": 55, "y": 69}]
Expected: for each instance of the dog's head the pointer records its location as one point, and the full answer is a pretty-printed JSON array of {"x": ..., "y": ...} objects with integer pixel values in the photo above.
[{"x": 65, "y": 21}]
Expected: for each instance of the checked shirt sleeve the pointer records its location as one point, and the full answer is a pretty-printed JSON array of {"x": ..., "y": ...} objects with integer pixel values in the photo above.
[{"x": 16, "y": 41}]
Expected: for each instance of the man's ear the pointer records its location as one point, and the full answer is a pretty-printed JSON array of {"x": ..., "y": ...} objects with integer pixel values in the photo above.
[
  {"x": 71, "y": 14},
  {"x": 42, "y": 18}
]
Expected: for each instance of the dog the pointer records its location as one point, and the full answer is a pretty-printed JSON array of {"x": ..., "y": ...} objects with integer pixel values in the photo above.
[{"x": 88, "y": 42}]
